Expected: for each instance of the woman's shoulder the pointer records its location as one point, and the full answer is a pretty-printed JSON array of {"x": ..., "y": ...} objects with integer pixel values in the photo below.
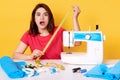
[
  {"x": 26, "y": 36},
  {"x": 27, "y": 33}
]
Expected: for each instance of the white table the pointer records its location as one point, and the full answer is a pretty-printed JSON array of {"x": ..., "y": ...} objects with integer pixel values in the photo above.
[{"x": 66, "y": 74}]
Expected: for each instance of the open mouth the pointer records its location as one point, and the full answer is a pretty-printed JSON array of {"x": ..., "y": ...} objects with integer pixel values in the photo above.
[{"x": 42, "y": 22}]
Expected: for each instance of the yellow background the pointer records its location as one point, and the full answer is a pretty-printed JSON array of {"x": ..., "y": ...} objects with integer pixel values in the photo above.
[{"x": 15, "y": 19}]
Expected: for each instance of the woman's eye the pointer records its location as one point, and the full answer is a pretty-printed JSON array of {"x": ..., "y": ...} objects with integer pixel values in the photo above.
[
  {"x": 46, "y": 14},
  {"x": 38, "y": 14}
]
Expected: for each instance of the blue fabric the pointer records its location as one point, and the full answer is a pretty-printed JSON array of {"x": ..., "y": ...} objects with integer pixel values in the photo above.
[
  {"x": 102, "y": 71},
  {"x": 97, "y": 72},
  {"x": 11, "y": 68},
  {"x": 114, "y": 72}
]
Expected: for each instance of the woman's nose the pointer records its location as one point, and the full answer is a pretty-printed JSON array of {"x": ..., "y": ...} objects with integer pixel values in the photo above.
[{"x": 41, "y": 17}]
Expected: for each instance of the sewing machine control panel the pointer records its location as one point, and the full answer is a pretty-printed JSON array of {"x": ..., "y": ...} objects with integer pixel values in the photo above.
[{"x": 88, "y": 36}]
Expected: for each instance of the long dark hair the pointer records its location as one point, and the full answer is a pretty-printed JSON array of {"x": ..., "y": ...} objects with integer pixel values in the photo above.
[{"x": 33, "y": 26}]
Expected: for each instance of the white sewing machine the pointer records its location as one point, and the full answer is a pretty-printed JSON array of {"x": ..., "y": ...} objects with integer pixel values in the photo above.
[{"x": 94, "y": 54}]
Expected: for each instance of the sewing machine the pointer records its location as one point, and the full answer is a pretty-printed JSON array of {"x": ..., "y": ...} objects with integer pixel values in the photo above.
[{"x": 94, "y": 53}]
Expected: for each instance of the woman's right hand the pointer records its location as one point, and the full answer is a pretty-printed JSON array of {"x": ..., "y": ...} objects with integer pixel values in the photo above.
[{"x": 36, "y": 53}]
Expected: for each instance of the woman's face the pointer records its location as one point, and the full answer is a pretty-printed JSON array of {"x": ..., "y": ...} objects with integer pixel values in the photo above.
[{"x": 41, "y": 18}]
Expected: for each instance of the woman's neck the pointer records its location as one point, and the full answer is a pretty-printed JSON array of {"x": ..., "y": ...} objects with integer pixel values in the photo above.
[{"x": 44, "y": 32}]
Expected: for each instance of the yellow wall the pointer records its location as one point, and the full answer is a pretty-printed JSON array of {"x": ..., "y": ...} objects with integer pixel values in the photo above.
[{"x": 15, "y": 17}]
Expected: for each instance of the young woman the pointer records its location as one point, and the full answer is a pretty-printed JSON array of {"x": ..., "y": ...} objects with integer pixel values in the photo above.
[{"x": 41, "y": 29}]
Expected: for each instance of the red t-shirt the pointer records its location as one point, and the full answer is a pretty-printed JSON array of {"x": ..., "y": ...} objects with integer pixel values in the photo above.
[{"x": 39, "y": 42}]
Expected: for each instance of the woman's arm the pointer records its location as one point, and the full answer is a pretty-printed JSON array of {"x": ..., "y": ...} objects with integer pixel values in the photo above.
[
  {"x": 19, "y": 52},
  {"x": 76, "y": 13}
]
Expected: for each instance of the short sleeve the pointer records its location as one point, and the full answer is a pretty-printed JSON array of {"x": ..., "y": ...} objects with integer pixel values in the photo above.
[{"x": 25, "y": 38}]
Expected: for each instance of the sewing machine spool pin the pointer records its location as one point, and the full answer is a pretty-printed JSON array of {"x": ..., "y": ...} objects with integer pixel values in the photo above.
[{"x": 97, "y": 27}]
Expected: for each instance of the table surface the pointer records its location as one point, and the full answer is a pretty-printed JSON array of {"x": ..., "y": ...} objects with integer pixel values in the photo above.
[{"x": 66, "y": 74}]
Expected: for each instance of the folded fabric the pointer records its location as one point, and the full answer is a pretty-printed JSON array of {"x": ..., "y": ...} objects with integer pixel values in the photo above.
[
  {"x": 11, "y": 68},
  {"x": 98, "y": 71},
  {"x": 114, "y": 72},
  {"x": 102, "y": 71},
  {"x": 20, "y": 64}
]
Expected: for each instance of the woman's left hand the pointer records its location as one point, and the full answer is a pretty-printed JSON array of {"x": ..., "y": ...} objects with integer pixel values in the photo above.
[{"x": 76, "y": 11}]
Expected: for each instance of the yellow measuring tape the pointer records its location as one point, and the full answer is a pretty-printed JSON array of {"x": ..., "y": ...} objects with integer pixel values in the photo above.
[{"x": 49, "y": 64}]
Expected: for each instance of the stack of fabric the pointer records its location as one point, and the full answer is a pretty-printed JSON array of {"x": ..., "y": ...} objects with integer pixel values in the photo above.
[{"x": 102, "y": 71}]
